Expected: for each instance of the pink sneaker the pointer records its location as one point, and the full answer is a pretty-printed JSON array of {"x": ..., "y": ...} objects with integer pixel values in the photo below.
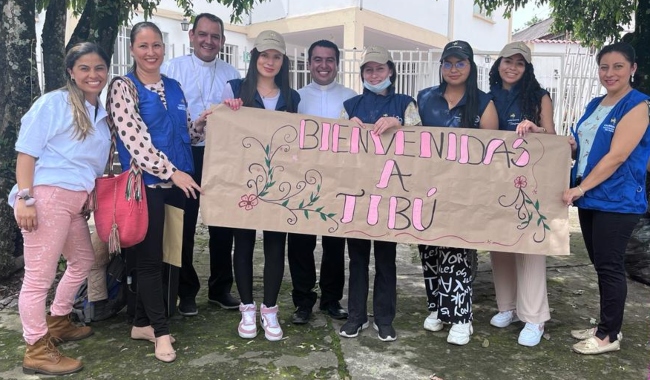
[
  {"x": 270, "y": 324},
  {"x": 248, "y": 325}
]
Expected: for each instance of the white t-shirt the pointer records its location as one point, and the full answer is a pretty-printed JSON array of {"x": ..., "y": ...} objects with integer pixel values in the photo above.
[
  {"x": 47, "y": 133},
  {"x": 324, "y": 101},
  {"x": 202, "y": 82}
]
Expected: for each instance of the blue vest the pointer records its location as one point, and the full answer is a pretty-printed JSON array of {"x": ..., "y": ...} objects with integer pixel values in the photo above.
[
  {"x": 624, "y": 190},
  {"x": 369, "y": 107},
  {"x": 434, "y": 109},
  {"x": 236, "y": 84},
  {"x": 166, "y": 126},
  {"x": 508, "y": 106}
]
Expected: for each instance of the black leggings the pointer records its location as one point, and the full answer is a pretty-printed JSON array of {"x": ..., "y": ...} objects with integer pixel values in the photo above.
[
  {"x": 274, "y": 243},
  {"x": 150, "y": 305},
  {"x": 606, "y": 235}
]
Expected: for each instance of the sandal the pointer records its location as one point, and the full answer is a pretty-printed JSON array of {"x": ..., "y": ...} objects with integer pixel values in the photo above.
[
  {"x": 165, "y": 357},
  {"x": 146, "y": 333}
]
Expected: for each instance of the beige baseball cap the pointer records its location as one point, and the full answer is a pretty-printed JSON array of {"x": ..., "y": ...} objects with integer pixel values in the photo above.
[
  {"x": 270, "y": 39},
  {"x": 375, "y": 54},
  {"x": 514, "y": 48}
]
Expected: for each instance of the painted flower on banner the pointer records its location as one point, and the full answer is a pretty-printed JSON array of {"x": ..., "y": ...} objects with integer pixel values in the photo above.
[
  {"x": 529, "y": 211},
  {"x": 248, "y": 201},
  {"x": 520, "y": 182},
  {"x": 299, "y": 197}
]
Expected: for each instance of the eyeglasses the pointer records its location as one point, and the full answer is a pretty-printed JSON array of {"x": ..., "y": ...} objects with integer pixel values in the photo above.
[{"x": 460, "y": 65}]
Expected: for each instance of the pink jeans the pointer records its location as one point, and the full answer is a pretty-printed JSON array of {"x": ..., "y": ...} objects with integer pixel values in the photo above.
[{"x": 61, "y": 230}]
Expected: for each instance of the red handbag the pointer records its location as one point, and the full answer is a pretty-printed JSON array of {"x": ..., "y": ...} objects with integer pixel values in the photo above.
[{"x": 121, "y": 215}]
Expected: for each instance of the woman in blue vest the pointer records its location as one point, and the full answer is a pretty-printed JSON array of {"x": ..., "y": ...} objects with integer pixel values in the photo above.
[
  {"x": 388, "y": 111},
  {"x": 149, "y": 113},
  {"x": 266, "y": 85},
  {"x": 611, "y": 149},
  {"x": 520, "y": 279},
  {"x": 457, "y": 102}
]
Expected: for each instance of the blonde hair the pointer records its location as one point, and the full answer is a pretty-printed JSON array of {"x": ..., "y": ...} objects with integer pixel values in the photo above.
[{"x": 82, "y": 124}]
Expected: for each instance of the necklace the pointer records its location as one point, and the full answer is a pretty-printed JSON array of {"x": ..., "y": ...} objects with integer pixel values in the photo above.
[
  {"x": 452, "y": 101},
  {"x": 267, "y": 93},
  {"x": 213, "y": 74}
]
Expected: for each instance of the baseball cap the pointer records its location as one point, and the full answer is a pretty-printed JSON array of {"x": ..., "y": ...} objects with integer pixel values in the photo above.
[
  {"x": 270, "y": 39},
  {"x": 516, "y": 47},
  {"x": 458, "y": 48},
  {"x": 375, "y": 54}
]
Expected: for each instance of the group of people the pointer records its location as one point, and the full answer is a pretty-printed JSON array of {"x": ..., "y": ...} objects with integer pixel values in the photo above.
[{"x": 158, "y": 113}]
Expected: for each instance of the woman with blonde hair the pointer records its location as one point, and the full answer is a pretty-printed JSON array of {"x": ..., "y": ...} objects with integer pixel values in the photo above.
[{"x": 62, "y": 148}]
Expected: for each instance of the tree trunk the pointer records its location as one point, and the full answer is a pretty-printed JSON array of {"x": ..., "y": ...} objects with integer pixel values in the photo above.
[
  {"x": 18, "y": 88},
  {"x": 82, "y": 30},
  {"x": 98, "y": 23},
  {"x": 53, "y": 45}
]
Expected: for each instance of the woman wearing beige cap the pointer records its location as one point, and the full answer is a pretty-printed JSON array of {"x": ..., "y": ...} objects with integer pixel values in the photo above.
[
  {"x": 388, "y": 111},
  {"x": 266, "y": 85},
  {"x": 520, "y": 279}
]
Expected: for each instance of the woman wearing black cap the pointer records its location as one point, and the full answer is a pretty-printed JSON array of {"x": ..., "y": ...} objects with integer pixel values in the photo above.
[
  {"x": 388, "y": 111},
  {"x": 520, "y": 279},
  {"x": 457, "y": 102}
]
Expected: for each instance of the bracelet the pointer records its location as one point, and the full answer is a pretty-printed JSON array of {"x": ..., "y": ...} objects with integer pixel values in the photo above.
[
  {"x": 24, "y": 195},
  {"x": 580, "y": 188}
]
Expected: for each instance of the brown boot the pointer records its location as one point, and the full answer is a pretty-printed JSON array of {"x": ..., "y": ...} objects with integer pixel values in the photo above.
[
  {"x": 63, "y": 330},
  {"x": 43, "y": 357}
]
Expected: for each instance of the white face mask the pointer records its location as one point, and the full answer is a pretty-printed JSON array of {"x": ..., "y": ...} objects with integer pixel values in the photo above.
[{"x": 377, "y": 88}]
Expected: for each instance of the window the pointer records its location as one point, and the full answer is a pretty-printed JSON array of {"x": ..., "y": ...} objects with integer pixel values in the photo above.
[
  {"x": 122, "y": 59},
  {"x": 229, "y": 54},
  {"x": 479, "y": 11}
]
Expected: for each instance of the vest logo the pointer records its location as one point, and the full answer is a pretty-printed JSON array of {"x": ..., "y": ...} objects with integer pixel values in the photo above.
[
  {"x": 512, "y": 115},
  {"x": 181, "y": 107},
  {"x": 611, "y": 126}
]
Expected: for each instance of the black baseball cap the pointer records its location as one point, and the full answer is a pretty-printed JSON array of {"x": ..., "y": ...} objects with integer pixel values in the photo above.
[{"x": 458, "y": 48}]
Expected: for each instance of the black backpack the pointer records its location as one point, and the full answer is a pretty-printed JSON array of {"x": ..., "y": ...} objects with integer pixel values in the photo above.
[{"x": 87, "y": 311}]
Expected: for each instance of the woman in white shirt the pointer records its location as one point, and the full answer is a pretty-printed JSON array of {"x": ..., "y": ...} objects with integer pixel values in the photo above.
[{"x": 63, "y": 145}]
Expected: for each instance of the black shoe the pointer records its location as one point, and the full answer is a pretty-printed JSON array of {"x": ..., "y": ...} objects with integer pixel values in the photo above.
[
  {"x": 225, "y": 301},
  {"x": 301, "y": 316},
  {"x": 187, "y": 308},
  {"x": 352, "y": 329},
  {"x": 335, "y": 310},
  {"x": 385, "y": 333}
]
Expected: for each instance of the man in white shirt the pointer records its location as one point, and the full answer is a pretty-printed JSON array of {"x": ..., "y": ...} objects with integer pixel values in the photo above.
[
  {"x": 202, "y": 76},
  {"x": 323, "y": 97}
]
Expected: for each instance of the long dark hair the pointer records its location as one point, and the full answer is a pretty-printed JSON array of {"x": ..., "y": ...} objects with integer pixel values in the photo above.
[
  {"x": 530, "y": 94},
  {"x": 249, "y": 85},
  {"x": 469, "y": 112},
  {"x": 136, "y": 29}
]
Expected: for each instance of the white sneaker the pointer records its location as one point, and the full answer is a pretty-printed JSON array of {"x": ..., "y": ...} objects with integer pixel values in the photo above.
[
  {"x": 432, "y": 323},
  {"x": 459, "y": 333},
  {"x": 531, "y": 334},
  {"x": 248, "y": 325},
  {"x": 504, "y": 318},
  {"x": 270, "y": 324}
]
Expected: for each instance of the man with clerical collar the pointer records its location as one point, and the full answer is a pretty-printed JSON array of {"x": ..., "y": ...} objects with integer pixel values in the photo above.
[
  {"x": 323, "y": 97},
  {"x": 203, "y": 76}
]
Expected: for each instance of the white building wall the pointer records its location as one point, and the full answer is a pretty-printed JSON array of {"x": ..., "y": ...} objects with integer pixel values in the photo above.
[{"x": 483, "y": 33}]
